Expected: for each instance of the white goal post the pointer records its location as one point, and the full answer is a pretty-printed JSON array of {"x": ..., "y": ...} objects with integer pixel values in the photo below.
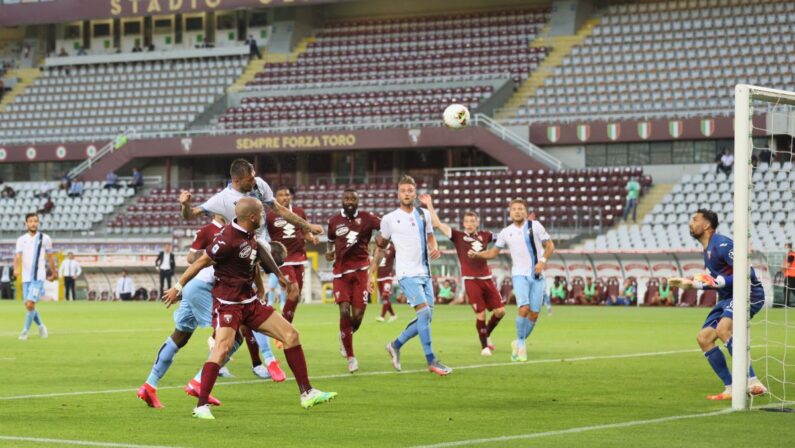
[{"x": 744, "y": 97}]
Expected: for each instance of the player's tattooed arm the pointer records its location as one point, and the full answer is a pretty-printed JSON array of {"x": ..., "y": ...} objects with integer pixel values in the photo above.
[
  {"x": 172, "y": 295},
  {"x": 549, "y": 249},
  {"x": 437, "y": 223},
  {"x": 193, "y": 255},
  {"x": 188, "y": 212},
  {"x": 53, "y": 271},
  {"x": 261, "y": 291},
  {"x": 294, "y": 219},
  {"x": 380, "y": 252},
  {"x": 329, "y": 251},
  {"x": 487, "y": 254}
]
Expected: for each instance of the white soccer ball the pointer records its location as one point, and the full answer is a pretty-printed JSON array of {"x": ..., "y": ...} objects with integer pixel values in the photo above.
[{"x": 456, "y": 116}]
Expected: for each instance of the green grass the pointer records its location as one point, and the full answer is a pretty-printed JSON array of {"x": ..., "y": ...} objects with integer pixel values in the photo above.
[{"x": 110, "y": 347}]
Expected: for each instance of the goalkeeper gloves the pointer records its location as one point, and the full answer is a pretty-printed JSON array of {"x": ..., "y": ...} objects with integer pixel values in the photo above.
[{"x": 706, "y": 281}]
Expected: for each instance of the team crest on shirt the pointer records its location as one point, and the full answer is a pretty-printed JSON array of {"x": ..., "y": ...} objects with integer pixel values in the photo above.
[
  {"x": 709, "y": 255},
  {"x": 228, "y": 318},
  {"x": 342, "y": 230},
  {"x": 245, "y": 252},
  {"x": 280, "y": 223},
  {"x": 215, "y": 248}
]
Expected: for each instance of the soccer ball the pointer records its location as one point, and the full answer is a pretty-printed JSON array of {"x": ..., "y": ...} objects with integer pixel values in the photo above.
[{"x": 456, "y": 116}]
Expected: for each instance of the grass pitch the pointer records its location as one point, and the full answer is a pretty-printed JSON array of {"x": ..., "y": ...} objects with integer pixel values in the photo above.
[{"x": 596, "y": 377}]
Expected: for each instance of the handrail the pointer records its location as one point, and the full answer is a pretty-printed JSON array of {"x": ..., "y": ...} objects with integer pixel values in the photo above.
[
  {"x": 114, "y": 144},
  {"x": 509, "y": 136}
]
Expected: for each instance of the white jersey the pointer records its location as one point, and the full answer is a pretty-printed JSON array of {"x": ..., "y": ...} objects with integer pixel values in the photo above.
[
  {"x": 223, "y": 203},
  {"x": 409, "y": 233},
  {"x": 28, "y": 246},
  {"x": 526, "y": 246}
]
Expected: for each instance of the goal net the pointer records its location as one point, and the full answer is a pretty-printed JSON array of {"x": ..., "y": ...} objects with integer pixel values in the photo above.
[{"x": 764, "y": 223}]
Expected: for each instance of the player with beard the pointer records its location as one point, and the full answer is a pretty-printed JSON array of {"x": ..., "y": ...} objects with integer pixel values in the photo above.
[{"x": 349, "y": 234}]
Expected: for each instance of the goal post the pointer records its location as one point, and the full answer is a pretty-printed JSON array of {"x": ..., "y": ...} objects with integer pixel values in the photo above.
[{"x": 746, "y": 96}]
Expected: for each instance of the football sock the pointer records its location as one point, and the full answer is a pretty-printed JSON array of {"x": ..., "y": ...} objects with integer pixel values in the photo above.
[
  {"x": 36, "y": 317},
  {"x": 520, "y": 330},
  {"x": 346, "y": 331},
  {"x": 528, "y": 328},
  {"x": 209, "y": 375},
  {"x": 264, "y": 343},
  {"x": 718, "y": 363},
  {"x": 253, "y": 346},
  {"x": 409, "y": 332},
  {"x": 424, "y": 317},
  {"x": 28, "y": 320},
  {"x": 483, "y": 332},
  {"x": 297, "y": 362},
  {"x": 235, "y": 346},
  {"x": 493, "y": 322},
  {"x": 289, "y": 310},
  {"x": 165, "y": 356},
  {"x": 729, "y": 345}
]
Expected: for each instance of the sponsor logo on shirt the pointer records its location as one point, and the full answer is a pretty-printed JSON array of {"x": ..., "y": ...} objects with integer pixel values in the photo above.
[
  {"x": 245, "y": 252},
  {"x": 341, "y": 230}
]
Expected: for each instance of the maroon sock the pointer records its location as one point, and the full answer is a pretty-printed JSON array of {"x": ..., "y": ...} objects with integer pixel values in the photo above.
[
  {"x": 384, "y": 308},
  {"x": 253, "y": 347},
  {"x": 209, "y": 375},
  {"x": 289, "y": 310},
  {"x": 389, "y": 308},
  {"x": 297, "y": 362},
  {"x": 492, "y": 324},
  {"x": 346, "y": 331},
  {"x": 482, "y": 332}
]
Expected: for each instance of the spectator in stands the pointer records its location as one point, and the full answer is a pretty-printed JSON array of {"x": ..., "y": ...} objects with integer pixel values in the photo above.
[
  {"x": 69, "y": 271},
  {"x": 82, "y": 51},
  {"x": 589, "y": 291},
  {"x": 8, "y": 192},
  {"x": 765, "y": 155},
  {"x": 663, "y": 295},
  {"x": 445, "y": 294},
  {"x": 788, "y": 269},
  {"x": 137, "y": 48},
  {"x": 137, "y": 180},
  {"x": 253, "y": 48},
  {"x": 111, "y": 180},
  {"x": 150, "y": 48},
  {"x": 76, "y": 190},
  {"x": 2, "y": 88},
  {"x": 124, "y": 287},
  {"x": 47, "y": 207},
  {"x": 6, "y": 280},
  {"x": 558, "y": 291},
  {"x": 725, "y": 163},
  {"x": 66, "y": 182},
  {"x": 629, "y": 294},
  {"x": 165, "y": 264},
  {"x": 63, "y": 52},
  {"x": 633, "y": 192}
]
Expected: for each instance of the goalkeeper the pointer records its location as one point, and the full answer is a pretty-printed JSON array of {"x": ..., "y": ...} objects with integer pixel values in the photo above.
[{"x": 719, "y": 263}]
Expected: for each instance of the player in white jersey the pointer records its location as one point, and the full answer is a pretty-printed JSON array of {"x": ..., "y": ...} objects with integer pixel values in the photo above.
[
  {"x": 33, "y": 248},
  {"x": 530, "y": 247},
  {"x": 411, "y": 230}
]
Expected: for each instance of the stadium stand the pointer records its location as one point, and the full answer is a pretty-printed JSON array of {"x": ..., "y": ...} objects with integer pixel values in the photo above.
[
  {"x": 98, "y": 101},
  {"x": 430, "y": 47},
  {"x": 649, "y": 60},
  {"x": 666, "y": 226},
  {"x": 69, "y": 213}
]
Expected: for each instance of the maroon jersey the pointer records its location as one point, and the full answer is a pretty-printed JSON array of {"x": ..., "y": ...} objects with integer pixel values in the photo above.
[
  {"x": 288, "y": 234},
  {"x": 470, "y": 267},
  {"x": 351, "y": 238},
  {"x": 205, "y": 236},
  {"x": 234, "y": 251},
  {"x": 387, "y": 266}
]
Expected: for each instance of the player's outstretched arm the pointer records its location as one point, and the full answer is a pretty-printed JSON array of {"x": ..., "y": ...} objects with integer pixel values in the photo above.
[
  {"x": 437, "y": 223},
  {"x": 172, "y": 295},
  {"x": 487, "y": 254},
  {"x": 193, "y": 255},
  {"x": 292, "y": 218},
  {"x": 188, "y": 212}
]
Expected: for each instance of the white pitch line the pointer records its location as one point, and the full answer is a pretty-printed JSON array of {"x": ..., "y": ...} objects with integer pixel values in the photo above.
[
  {"x": 77, "y": 442},
  {"x": 538, "y": 435},
  {"x": 383, "y": 372},
  {"x": 9, "y": 358},
  {"x": 110, "y": 331}
]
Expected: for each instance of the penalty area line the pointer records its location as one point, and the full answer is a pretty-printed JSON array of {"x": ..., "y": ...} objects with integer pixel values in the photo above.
[
  {"x": 378, "y": 373},
  {"x": 76, "y": 442}
]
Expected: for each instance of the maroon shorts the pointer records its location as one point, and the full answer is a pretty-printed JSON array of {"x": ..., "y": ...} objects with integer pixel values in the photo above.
[
  {"x": 294, "y": 273},
  {"x": 483, "y": 294},
  {"x": 352, "y": 288},
  {"x": 251, "y": 314},
  {"x": 385, "y": 290}
]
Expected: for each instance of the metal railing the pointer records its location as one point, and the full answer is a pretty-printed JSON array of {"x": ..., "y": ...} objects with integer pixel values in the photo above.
[
  {"x": 117, "y": 142},
  {"x": 507, "y": 135}
]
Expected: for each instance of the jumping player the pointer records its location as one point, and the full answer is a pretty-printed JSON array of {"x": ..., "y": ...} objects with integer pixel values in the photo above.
[
  {"x": 476, "y": 274},
  {"x": 235, "y": 303},
  {"x": 719, "y": 263},
  {"x": 386, "y": 270},
  {"x": 349, "y": 234},
  {"x": 411, "y": 231},
  {"x": 33, "y": 248},
  {"x": 293, "y": 237},
  {"x": 530, "y": 247}
]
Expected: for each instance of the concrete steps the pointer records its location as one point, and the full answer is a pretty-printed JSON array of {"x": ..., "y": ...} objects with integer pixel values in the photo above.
[
  {"x": 26, "y": 77},
  {"x": 653, "y": 197},
  {"x": 258, "y": 65}
]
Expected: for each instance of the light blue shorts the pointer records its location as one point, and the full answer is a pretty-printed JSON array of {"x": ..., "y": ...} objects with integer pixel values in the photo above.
[
  {"x": 529, "y": 291},
  {"x": 32, "y": 291},
  {"x": 195, "y": 308},
  {"x": 418, "y": 290}
]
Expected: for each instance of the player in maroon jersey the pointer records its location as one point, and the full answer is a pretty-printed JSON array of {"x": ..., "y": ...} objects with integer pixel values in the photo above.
[
  {"x": 349, "y": 234},
  {"x": 385, "y": 275},
  {"x": 235, "y": 303},
  {"x": 478, "y": 279},
  {"x": 293, "y": 239}
]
